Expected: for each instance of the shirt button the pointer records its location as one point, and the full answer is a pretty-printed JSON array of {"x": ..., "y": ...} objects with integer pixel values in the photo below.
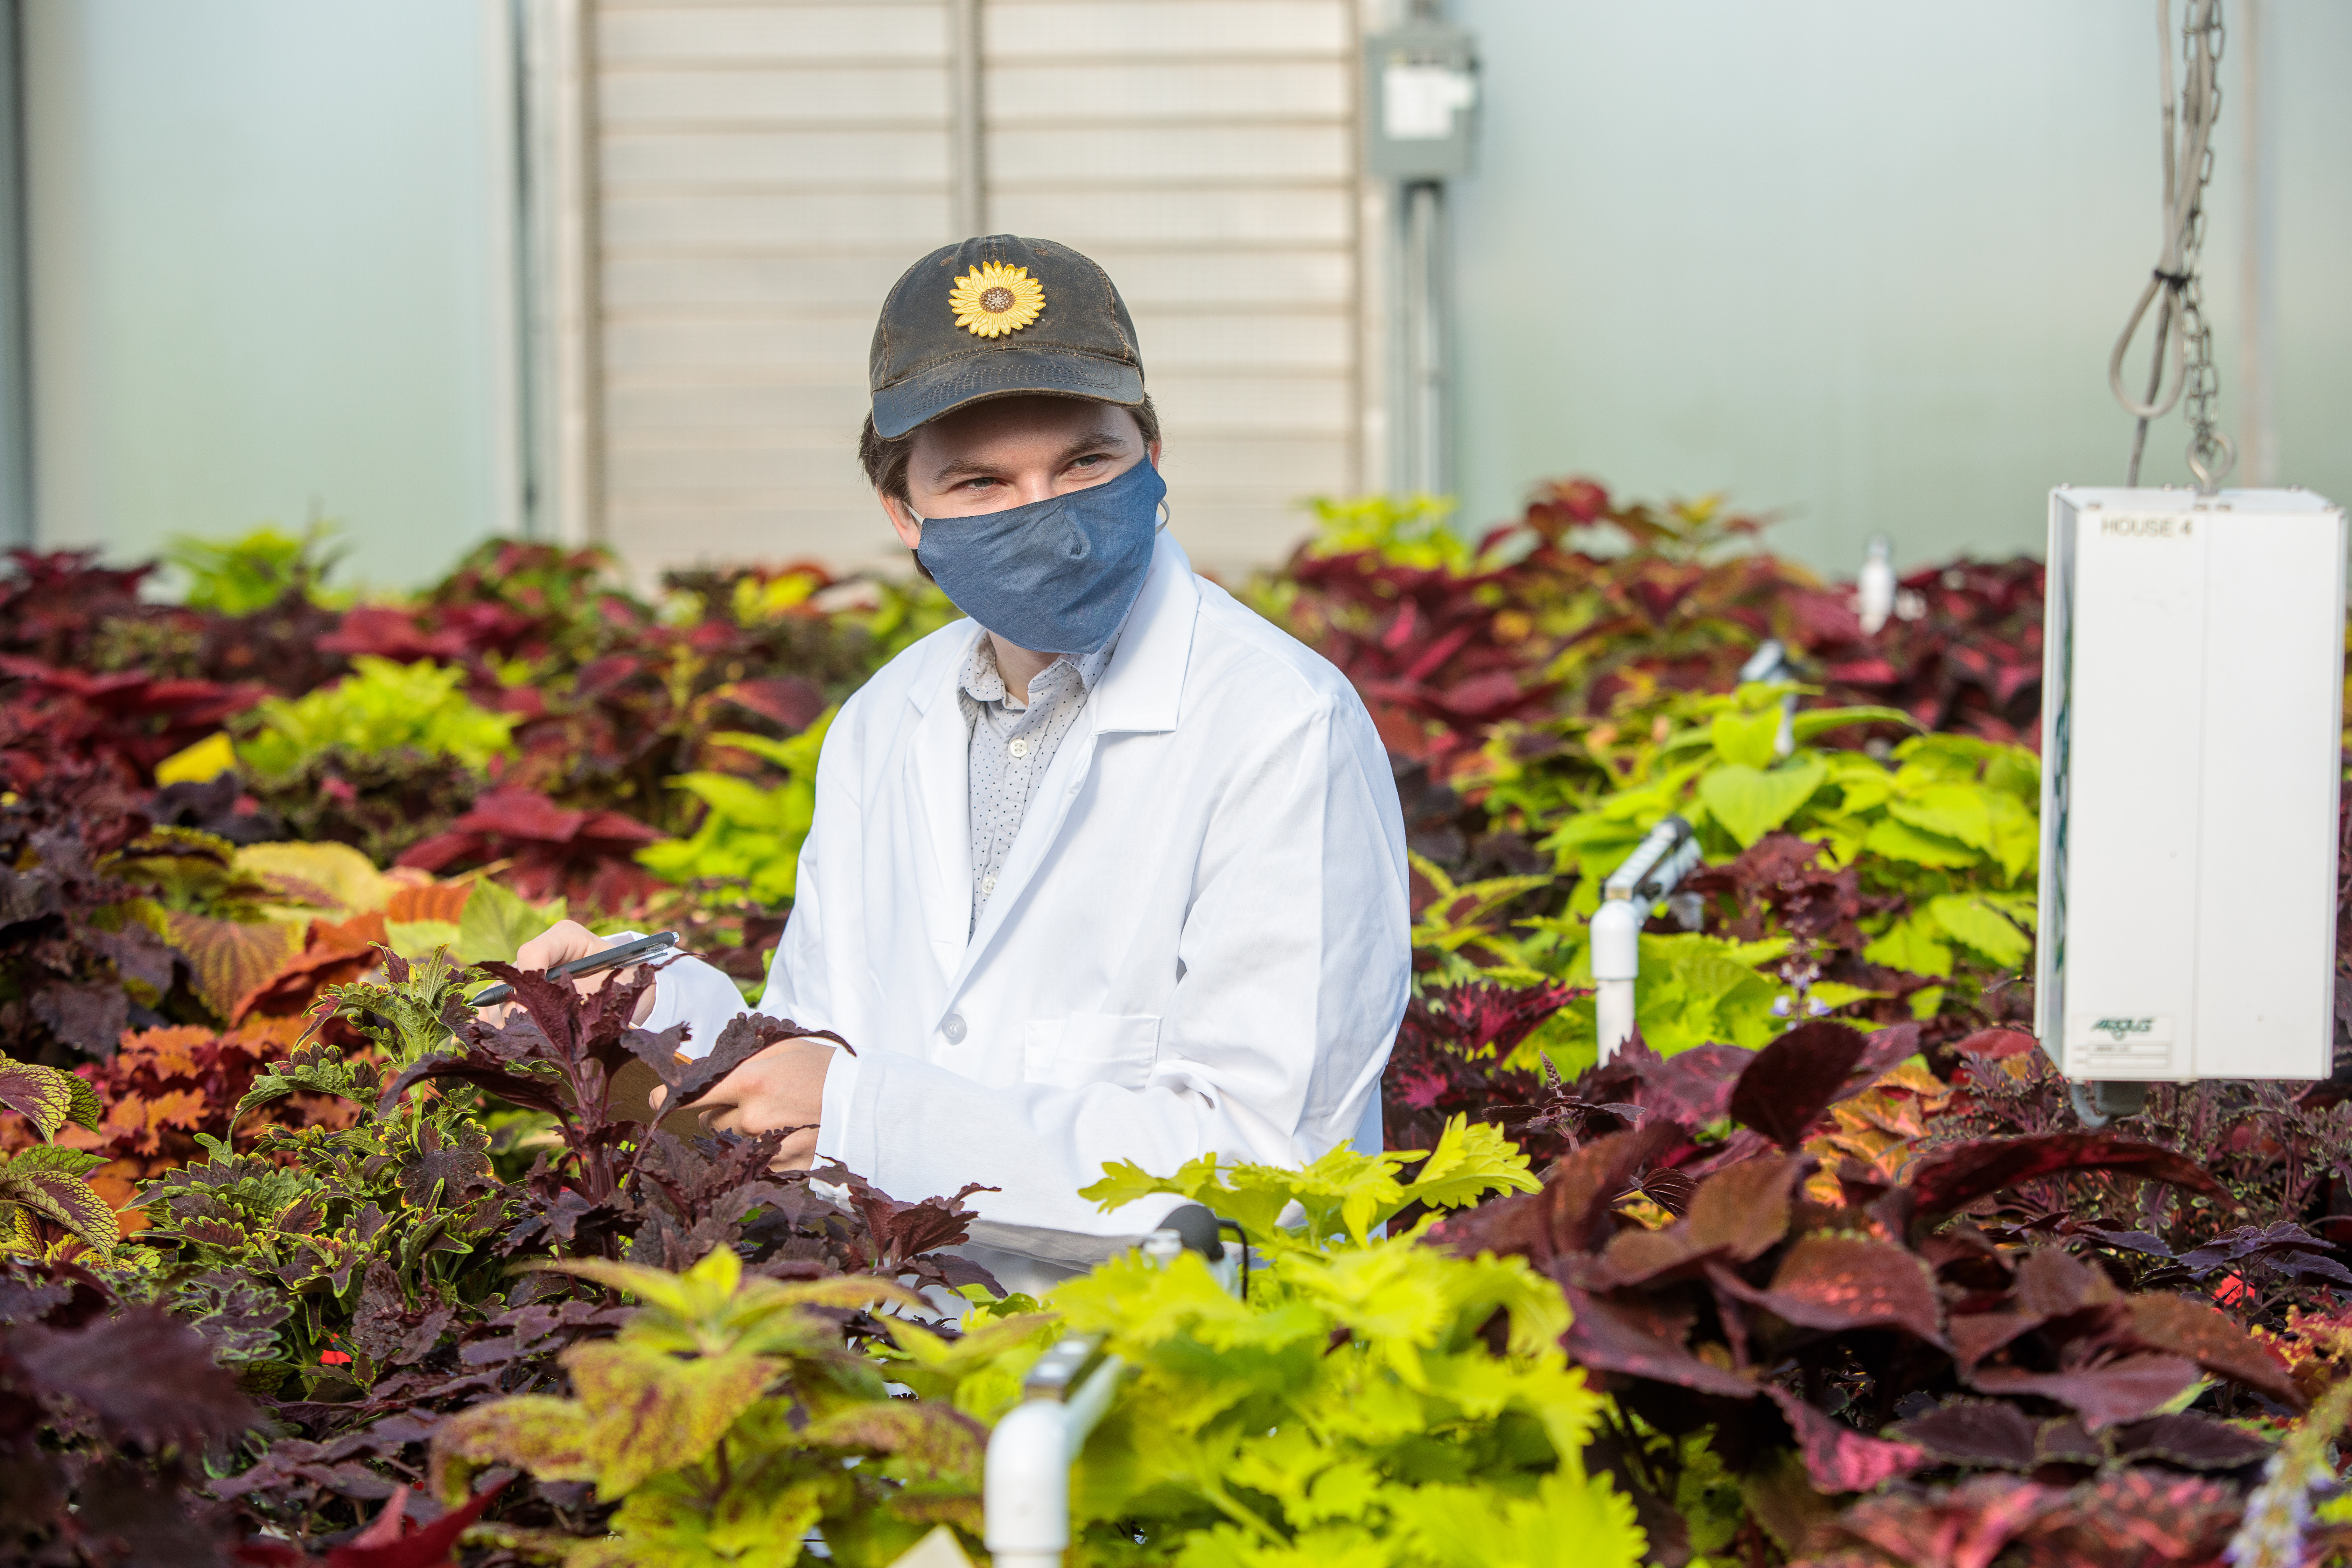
[
  {"x": 1020, "y": 747},
  {"x": 953, "y": 1028},
  {"x": 987, "y": 885}
]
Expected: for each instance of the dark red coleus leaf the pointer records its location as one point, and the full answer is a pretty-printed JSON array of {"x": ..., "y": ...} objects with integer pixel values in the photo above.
[
  {"x": 2190, "y": 1327},
  {"x": 1842, "y": 1282},
  {"x": 745, "y": 1036},
  {"x": 2191, "y": 1441},
  {"x": 143, "y": 1374},
  {"x": 1966, "y": 1526},
  {"x": 392, "y": 634},
  {"x": 1838, "y": 1459},
  {"x": 1692, "y": 1086},
  {"x": 1642, "y": 1336},
  {"x": 1950, "y": 1179},
  {"x": 2135, "y": 1518},
  {"x": 788, "y": 700},
  {"x": 1796, "y": 1077},
  {"x": 2103, "y": 1393},
  {"x": 902, "y": 1230},
  {"x": 1974, "y": 1432}
]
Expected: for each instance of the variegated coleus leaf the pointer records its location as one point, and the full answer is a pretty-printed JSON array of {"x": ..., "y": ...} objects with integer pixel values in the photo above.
[
  {"x": 46, "y": 1096},
  {"x": 48, "y": 1182}
]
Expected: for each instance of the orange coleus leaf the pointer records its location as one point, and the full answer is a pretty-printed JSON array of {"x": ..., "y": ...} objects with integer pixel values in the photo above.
[
  {"x": 134, "y": 1123},
  {"x": 433, "y": 901},
  {"x": 337, "y": 952},
  {"x": 169, "y": 1052},
  {"x": 117, "y": 1182}
]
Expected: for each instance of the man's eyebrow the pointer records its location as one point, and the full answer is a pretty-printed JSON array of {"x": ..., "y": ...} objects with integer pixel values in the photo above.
[{"x": 960, "y": 468}]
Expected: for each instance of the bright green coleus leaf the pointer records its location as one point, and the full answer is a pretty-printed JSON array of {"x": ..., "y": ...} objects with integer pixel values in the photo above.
[
  {"x": 1568, "y": 1523},
  {"x": 382, "y": 706},
  {"x": 1956, "y": 811},
  {"x": 1747, "y": 739},
  {"x": 1813, "y": 721},
  {"x": 1912, "y": 944},
  {"x": 1750, "y": 802},
  {"x": 1897, "y": 840},
  {"x": 1973, "y": 923},
  {"x": 1472, "y": 1160},
  {"x": 497, "y": 922}
]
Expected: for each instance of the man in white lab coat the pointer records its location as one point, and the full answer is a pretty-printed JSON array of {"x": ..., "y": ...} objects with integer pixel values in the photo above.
[{"x": 1113, "y": 869}]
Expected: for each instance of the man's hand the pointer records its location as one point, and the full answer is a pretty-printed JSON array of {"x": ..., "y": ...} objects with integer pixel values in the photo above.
[
  {"x": 561, "y": 944},
  {"x": 784, "y": 1086}
]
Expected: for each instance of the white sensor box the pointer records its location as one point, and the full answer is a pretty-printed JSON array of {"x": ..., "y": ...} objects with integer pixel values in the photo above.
[{"x": 2192, "y": 696}]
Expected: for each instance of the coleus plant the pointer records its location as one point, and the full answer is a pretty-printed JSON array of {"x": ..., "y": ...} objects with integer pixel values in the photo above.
[
  {"x": 106, "y": 1413},
  {"x": 1880, "y": 890},
  {"x": 1818, "y": 1344},
  {"x": 1364, "y": 1399},
  {"x": 43, "y": 1187},
  {"x": 729, "y": 1420},
  {"x": 74, "y": 960},
  {"x": 359, "y": 1276}
]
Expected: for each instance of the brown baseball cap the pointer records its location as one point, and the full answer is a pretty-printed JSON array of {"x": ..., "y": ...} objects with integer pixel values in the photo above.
[{"x": 993, "y": 317}]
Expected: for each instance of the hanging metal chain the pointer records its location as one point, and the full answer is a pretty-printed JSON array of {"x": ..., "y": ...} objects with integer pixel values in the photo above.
[{"x": 2183, "y": 335}]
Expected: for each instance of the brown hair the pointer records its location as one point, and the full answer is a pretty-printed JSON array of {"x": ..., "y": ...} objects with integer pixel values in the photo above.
[{"x": 885, "y": 460}]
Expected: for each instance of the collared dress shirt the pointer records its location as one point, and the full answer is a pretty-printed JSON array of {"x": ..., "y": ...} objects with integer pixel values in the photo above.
[{"x": 1013, "y": 744}]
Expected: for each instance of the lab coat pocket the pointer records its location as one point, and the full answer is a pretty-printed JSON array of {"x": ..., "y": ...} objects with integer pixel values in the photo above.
[{"x": 1085, "y": 1049}]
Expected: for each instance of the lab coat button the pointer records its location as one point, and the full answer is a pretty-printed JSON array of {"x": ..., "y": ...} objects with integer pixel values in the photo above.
[{"x": 953, "y": 1028}]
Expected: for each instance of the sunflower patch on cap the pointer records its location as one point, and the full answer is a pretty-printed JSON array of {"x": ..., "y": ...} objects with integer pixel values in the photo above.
[{"x": 992, "y": 300}]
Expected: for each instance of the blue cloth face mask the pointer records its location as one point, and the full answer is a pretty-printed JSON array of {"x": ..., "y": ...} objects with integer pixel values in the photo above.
[{"x": 1057, "y": 575}]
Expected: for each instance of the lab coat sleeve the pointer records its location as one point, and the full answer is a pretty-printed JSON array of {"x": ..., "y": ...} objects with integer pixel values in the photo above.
[
  {"x": 1294, "y": 961},
  {"x": 697, "y": 994}
]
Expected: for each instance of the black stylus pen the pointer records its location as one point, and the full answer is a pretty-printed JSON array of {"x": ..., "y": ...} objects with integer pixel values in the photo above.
[{"x": 620, "y": 957}]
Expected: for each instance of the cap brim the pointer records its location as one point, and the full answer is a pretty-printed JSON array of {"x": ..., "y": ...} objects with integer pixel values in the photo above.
[{"x": 1002, "y": 372}]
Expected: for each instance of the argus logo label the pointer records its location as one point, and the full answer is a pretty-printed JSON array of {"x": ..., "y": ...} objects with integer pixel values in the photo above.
[{"x": 2142, "y": 1040}]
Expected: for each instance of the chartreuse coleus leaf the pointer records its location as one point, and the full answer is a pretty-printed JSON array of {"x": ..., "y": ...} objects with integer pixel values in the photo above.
[
  {"x": 1345, "y": 1193},
  {"x": 1750, "y": 802},
  {"x": 48, "y": 1182},
  {"x": 496, "y": 923},
  {"x": 1345, "y": 1413},
  {"x": 46, "y": 1097}
]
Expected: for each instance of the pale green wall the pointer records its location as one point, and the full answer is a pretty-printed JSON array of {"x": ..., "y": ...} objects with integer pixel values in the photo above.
[
  {"x": 1862, "y": 261},
  {"x": 268, "y": 272}
]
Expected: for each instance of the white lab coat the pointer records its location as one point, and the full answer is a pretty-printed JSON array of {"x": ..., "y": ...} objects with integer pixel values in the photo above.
[{"x": 1198, "y": 941}]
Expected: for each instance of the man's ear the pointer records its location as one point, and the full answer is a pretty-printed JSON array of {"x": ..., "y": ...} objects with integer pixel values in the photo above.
[
  {"x": 902, "y": 520},
  {"x": 1152, "y": 451}
]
